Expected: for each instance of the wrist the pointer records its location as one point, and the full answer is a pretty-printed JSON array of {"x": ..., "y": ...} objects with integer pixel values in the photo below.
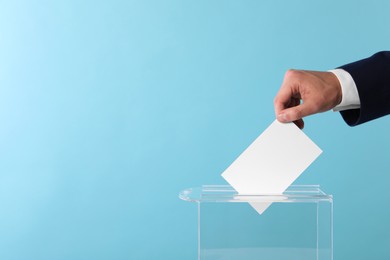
[{"x": 335, "y": 85}]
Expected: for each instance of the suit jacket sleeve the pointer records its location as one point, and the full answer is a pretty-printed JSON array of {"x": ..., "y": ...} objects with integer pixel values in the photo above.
[{"x": 372, "y": 79}]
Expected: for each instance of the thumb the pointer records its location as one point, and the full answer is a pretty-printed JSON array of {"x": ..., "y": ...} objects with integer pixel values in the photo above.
[{"x": 294, "y": 113}]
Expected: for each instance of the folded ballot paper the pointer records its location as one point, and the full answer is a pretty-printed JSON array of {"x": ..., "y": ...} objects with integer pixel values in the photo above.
[{"x": 272, "y": 162}]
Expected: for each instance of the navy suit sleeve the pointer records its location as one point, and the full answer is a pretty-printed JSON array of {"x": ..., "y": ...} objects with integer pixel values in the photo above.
[{"x": 372, "y": 79}]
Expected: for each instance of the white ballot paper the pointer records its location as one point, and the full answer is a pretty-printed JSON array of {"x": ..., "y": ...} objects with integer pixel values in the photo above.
[{"x": 272, "y": 162}]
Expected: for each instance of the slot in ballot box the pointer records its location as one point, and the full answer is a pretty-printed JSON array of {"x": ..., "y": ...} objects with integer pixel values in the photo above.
[{"x": 297, "y": 226}]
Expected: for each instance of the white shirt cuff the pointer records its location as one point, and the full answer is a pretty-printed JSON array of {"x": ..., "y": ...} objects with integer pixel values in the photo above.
[{"x": 350, "y": 96}]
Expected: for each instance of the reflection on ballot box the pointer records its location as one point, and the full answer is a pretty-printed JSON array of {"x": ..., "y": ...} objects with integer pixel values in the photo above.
[{"x": 297, "y": 226}]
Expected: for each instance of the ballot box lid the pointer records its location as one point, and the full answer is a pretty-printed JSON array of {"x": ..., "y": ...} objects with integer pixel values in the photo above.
[{"x": 226, "y": 193}]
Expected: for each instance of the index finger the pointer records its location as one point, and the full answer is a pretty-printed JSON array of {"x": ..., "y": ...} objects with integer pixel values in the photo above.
[{"x": 282, "y": 99}]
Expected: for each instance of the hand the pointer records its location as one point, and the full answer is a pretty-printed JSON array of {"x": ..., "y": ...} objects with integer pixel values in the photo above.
[{"x": 318, "y": 91}]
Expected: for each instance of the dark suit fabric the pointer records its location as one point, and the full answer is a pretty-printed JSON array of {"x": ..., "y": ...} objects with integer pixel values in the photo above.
[{"x": 372, "y": 79}]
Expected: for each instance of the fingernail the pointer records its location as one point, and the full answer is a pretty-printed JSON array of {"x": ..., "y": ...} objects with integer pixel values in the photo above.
[{"x": 282, "y": 117}]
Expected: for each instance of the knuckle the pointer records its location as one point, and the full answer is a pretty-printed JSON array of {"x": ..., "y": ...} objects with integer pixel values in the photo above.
[{"x": 292, "y": 73}]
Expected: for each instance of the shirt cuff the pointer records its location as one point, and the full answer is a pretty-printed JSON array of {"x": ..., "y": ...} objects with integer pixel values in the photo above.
[{"x": 350, "y": 96}]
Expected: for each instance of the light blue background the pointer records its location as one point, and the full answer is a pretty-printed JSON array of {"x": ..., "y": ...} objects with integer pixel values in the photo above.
[{"x": 109, "y": 108}]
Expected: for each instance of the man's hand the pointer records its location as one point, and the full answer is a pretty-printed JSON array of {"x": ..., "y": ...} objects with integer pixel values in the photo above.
[{"x": 318, "y": 91}]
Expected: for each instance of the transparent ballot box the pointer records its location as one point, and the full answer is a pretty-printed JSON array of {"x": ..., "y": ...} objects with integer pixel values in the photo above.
[{"x": 296, "y": 226}]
